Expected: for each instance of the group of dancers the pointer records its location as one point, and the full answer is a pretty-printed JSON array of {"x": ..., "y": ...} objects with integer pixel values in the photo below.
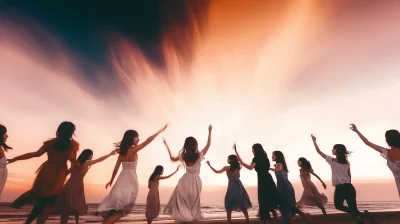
[{"x": 51, "y": 195}]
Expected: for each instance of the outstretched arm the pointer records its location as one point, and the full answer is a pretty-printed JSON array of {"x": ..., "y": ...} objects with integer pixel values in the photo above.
[
  {"x": 217, "y": 171},
  {"x": 278, "y": 168},
  {"x": 30, "y": 155},
  {"x": 94, "y": 161},
  {"x": 323, "y": 184},
  {"x": 166, "y": 177},
  {"x": 137, "y": 148},
  {"x": 173, "y": 158},
  {"x": 116, "y": 168},
  {"x": 317, "y": 148},
  {"x": 365, "y": 140},
  {"x": 205, "y": 150},
  {"x": 245, "y": 165}
]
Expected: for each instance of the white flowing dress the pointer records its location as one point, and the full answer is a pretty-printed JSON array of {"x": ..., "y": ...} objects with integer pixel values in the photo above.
[
  {"x": 184, "y": 204},
  {"x": 394, "y": 167},
  {"x": 122, "y": 196},
  {"x": 3, "y": 173}
]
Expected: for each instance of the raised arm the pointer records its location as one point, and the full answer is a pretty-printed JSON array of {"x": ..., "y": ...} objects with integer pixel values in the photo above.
[
  {"x": 217, "y": 171},
  {"x": 117, "y": 164},
  {"x": 30, "y": 155},
  {"x": 323, "y": 184},
  {"x": 378, "y": 148},
  {"x": 148, "y": 140},
  {"x": 205, "y": 150},
  {"x": 166, "y": 177},
  {"x": 245, "y": 165},
  {"x": 317, "y": 148},
  {"x": 173, "y": 158},
  {"x": 92, "y": 162}
]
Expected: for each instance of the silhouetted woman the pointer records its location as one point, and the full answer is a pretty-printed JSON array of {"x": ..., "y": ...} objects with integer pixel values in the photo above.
[
  {"x": 287, "y": 205},
  {"x": 311, "y": 195},
  {"x": 341, "y": 180},
  {"x": 393, "y": 140},
  {"x": 268, "y": 196},
  {"x": 184, "y": 204},
  {"x": 122, "y": 197},
  {"x": 52, "y": 173},
  {"x": 3, "y": 161}
]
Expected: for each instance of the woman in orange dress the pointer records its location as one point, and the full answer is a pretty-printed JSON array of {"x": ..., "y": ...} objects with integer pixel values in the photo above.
[{"x": 52, "y": 173}]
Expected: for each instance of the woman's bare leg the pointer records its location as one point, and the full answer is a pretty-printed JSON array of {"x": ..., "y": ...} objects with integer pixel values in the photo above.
[
  {"x": 113, "y": 217},
  {"x": 246, "y": 215},
  {"x": 76, "y": 218},
  {"x": 64, "y": 218},
  {"x": 229, "y": 216}
]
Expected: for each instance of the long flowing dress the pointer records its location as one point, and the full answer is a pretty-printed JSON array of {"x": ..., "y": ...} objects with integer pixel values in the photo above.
[
  {"x": 123, "y": 194},
  {"x": 394, "y": 166},
  {"x": 236, "y": 198},
  {"x": 184, "y": 204},
  {"x": 72, "y": 199},
  {"x": 51, "y": 175},
  {"x": 311, "y": 195},
  {"x": 153, "y": 200},
  {"x": 268, "y": 196},
  {"x": 287, "y": 205},
  {"x": 3, "y": 173}
]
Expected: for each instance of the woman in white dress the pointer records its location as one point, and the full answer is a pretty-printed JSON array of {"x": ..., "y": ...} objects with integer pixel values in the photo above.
[
  {"x": 391, "y": 155},
  {"x": 3, "y": 161},
  {"x": 184, "y": 204},
  {"x": 122, "y": 197}
]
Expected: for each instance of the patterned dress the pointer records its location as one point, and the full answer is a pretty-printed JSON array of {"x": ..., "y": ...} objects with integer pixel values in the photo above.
[{"x": 153, "y": 200}]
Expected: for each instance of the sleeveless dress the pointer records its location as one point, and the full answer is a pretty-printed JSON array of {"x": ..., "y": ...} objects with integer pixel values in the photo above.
[
  {"x": 184, "y": 204},
  {"x": 3, "y": 173},
  {"x": 268, "y": 196},
  {"x": 153, "y": 200},
  {"x": 51, "y": 175},
  {"x": 287, "y": 196},
  {"x": 311, "y": 195},
  {"x": 394, "y": 166},
  {"x": 123, "y": 194},
  {"x": 236, "y": 198},
  {"x": 72, "y": 199}
]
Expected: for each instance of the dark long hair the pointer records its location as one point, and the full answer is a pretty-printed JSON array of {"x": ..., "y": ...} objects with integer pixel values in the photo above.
[
  {"x": 157, "y": 171},
  {"x": 393, "y": 138},
  {"x": 305, "y": 164},
  {"x": 260, "y": 155},
  {"x": 84, "y": 156},
  {"x": 3, "y": 131},
  {"x": 234, "y": 162},
  {"x": 341, "y": 153},
  {"x": 190, "y": 151},
  {"x": 127, "y": 142},
  {"x": 64, "y": 136},
  {"x": 280, "y": 158}
]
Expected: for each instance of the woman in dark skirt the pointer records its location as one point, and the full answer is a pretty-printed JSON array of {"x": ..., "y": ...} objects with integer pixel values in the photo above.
[{"x": 268, "y": 196}]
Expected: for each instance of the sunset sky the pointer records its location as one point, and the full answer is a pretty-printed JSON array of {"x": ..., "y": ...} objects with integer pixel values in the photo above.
[{"x": 269, "y": 72}]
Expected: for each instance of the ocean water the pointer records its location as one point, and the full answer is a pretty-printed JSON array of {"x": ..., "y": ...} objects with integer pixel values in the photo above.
[{"x": 8, "y": 214}]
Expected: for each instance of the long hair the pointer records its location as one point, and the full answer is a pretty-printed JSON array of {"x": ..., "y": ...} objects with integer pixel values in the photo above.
[
  {"x": 190, "y": 151},
  {"x": 280, "y": 158},
  {"x": 234, "y": 163},
  {"x": 260, "y": 155},
  {"x": 305, "y": 164},
  {"x": 127, "y": 142},
  {"x": 157, "y": 171},
  {"x": 341, "y": 153},
  {"x": 84, "y": 156},
  {"x": 64, "y": 136},
  {"x": 3, "y": 131},
  {"x": 393, "y": 138}
]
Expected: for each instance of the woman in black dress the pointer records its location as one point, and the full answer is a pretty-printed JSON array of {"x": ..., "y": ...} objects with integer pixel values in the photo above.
[{"x": 268, "y": 197}]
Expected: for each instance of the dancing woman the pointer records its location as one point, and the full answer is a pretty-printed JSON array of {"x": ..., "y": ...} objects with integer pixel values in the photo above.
[
  {"x": 3, "y": 161},
  {"x": 184, "y": 204},
  {"x": 341, "y": 180},
  {"x": 268, "y": 196},
  {"x": 393, "y": 140},
  {"x": 311, "y": 195},
  {"x": 122, "y": 197},
  {"x": 52, "y": 173},
  {"x": 236, "y": 198}
]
